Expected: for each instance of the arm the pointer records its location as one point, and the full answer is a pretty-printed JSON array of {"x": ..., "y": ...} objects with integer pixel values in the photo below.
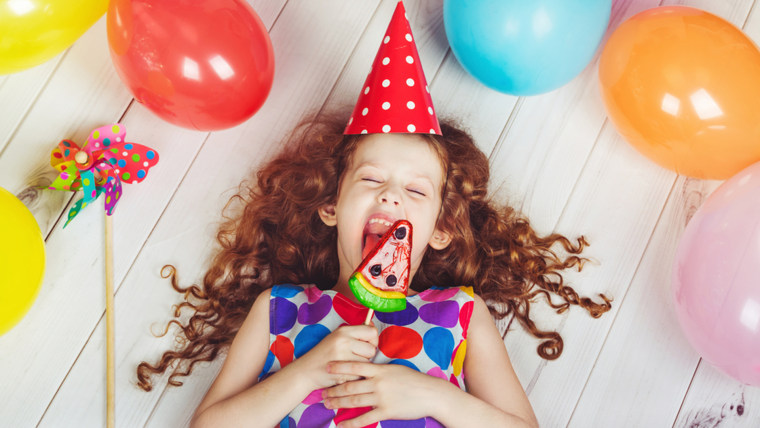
[
  {"x": 494, "y": 398},
  {"x": 236, "y": 398}
]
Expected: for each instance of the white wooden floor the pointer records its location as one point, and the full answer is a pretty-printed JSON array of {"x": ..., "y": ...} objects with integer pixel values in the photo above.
[{"x": 554, "y": 156}]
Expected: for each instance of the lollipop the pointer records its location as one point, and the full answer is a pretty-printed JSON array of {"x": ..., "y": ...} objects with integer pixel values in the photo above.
[{"x": 382, "y": 279}]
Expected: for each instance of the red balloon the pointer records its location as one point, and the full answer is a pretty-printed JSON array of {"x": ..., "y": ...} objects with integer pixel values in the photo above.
[{"x": 200, "y": 64}]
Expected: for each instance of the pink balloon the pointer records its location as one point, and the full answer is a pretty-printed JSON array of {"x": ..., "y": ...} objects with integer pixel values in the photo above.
[
  {"x": 715, "y": 278},
  {"x": 201, "y": 64}
]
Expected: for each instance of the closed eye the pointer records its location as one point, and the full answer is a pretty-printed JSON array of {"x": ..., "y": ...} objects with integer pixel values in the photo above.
[
  {"x": 419, "y": 192},
  {"x": 371, "y": 179}
]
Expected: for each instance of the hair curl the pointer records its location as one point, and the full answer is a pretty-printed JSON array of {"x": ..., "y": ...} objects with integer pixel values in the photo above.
[{"x": 273, "y": 234}]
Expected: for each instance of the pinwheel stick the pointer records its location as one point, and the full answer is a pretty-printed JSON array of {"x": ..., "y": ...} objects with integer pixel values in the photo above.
[
  {"x": 110, "y": 372},
  {"x": 370, "y": 314}
]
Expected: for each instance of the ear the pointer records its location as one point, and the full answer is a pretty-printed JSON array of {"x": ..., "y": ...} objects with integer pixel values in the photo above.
[
  {"x": 440, "y": 239},
  {"x": 327, "y": 214}
]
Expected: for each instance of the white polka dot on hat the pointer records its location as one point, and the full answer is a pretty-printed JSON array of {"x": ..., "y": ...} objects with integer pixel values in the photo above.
[{"x": 404, "y": 106}]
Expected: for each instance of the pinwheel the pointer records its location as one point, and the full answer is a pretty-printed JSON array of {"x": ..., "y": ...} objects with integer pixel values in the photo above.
[{"x": 100, "y": 166}]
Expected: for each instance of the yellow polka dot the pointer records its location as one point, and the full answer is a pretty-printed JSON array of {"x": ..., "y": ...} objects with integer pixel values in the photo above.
[
  {"x": 86, "y": 181},
  {"x": 115, "y": 129},
  {"x": 84, "y": 204},
  {"x": 459, "y": 358},
  {"x": 96, "y": 135}
]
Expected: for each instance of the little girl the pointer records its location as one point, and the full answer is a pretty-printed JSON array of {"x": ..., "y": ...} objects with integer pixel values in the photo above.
[{"x": 277, "y": 294}]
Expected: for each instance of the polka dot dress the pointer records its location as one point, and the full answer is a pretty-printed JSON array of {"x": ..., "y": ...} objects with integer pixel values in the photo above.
[
  {"x": 428, "y": 336},
  {"x": 395, "y": 97}
]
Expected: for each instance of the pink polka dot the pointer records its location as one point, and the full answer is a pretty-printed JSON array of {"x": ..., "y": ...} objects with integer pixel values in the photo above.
[
  {"x": 432, "y": 295},
  {"x": 314, "y": 397},
  {"x": 313, "y": 294},
  {"x": 437, "y": 372}
]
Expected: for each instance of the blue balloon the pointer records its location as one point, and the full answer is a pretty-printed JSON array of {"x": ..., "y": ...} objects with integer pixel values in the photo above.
[{"x": 525, "y": 47}]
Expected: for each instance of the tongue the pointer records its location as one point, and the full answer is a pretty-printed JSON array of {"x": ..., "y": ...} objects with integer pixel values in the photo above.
[{"x": 370, "y": 242}]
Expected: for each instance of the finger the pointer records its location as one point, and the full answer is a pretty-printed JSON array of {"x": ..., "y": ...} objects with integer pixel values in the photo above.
[
  {"x": 348, "y": 388},
  {"x": 362, "y": 420},
  {"x": 343, "y": 378},
  {"x": 364, "y": 350},
  {"x": 365, "y": 333},
  {"x": 355, "y": 368},
  {"x": 350, "y": 401}
]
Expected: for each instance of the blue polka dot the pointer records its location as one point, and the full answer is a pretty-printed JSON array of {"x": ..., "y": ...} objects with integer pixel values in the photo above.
[
  {"x": 286, "y": 290},
  {"x": 150, "y": 155},
  {"x": 282, "y": 316},
  {"x": 66, "y": 152},
  {"x": 439, "y": 345},
  {"x": 112, "y": 161},
  {"x": 308, "y": 338},
  {"x": 106, "y": 142},
  {"x": 405, "y": 317},
  {"x": 267, "y": 364},
  {"x": 141, "y": 173},
  {"x": 128, "y": 146},
  {"x": 287, "y": 422},
  {"x": 122, "y": 163},
  {"x": 404, "y": 363}
]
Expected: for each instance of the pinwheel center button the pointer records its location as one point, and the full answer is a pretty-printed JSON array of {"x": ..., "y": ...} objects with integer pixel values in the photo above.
[{"x": 82, "y": 157}]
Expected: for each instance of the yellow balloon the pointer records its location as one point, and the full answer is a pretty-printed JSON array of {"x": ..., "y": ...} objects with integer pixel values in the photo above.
[
  {"x": 33, "y": 31},
  {"x": 22, "y": 260}
]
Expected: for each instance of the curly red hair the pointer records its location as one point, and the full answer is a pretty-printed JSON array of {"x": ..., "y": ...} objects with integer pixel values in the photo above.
[{"x": 273, "y": 235}]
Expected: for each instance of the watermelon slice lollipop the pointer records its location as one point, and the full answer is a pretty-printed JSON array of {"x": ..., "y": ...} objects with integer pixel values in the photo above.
[{"x": 382, "y": 279}]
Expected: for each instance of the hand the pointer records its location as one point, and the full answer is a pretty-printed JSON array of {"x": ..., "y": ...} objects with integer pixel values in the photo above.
[
  {"x": 346, "y": 343},
  {"x": 394, "y": 392}
]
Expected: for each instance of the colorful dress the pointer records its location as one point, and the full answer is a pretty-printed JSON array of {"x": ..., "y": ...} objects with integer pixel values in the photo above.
[{"x": 430, "y": 336}]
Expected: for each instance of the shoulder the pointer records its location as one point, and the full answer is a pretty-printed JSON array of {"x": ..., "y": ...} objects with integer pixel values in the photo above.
[{"x": 480, "y": 312}]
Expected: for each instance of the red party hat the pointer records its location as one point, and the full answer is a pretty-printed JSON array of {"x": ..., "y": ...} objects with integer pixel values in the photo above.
[{"x": 395, "y": 96}]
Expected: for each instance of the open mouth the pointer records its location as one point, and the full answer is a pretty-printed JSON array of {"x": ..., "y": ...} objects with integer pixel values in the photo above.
[{"x": 373, "y": 232}]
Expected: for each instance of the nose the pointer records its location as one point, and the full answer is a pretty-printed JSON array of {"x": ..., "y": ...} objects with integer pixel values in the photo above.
[{"x": 389, "y": 196}]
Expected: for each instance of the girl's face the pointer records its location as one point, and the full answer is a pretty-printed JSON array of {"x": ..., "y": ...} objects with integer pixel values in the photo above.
[{"x": 390, "y": 177}]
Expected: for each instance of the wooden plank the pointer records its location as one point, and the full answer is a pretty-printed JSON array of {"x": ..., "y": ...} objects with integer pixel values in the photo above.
[
  {"x": 81, "y": 94},
  {"x": 21, "y": 91},
  {"x": 523, "y": 144},
  {"x": 646, "y": 364},
  {"x": 617, "y": 199},
  {"x": 713, "y": 397}
]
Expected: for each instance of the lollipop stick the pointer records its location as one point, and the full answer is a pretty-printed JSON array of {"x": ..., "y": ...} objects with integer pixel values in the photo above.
[
  {"x": 110, "y": 375},
  {"x": 370, "y": 313}
]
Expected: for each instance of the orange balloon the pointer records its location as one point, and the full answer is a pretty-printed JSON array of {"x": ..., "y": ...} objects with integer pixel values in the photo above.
[{"x": 683, "y": 87}]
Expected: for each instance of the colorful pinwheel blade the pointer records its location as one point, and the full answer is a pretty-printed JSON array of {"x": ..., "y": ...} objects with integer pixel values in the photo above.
[
  {"x": 131, "y": 161},
  {"x": 113, "y": 193},
  {"x": 103, "y": 137}
]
